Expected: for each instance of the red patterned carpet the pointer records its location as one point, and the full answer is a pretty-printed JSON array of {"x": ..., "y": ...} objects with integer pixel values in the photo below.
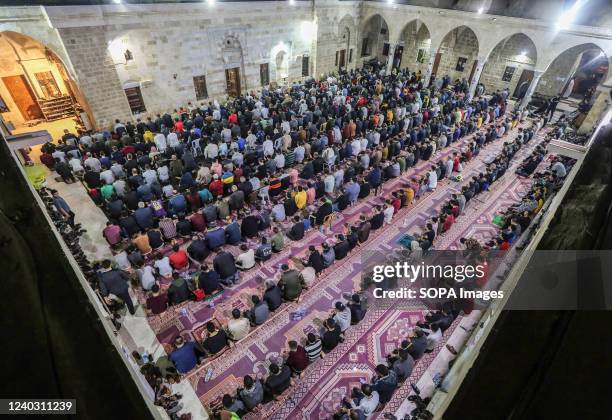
[{"x": 318, "y": 394}]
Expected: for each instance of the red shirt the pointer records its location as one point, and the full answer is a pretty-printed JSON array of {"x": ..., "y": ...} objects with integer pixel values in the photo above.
[
  {"x": 233, "y": 118},
  {"x": 179, "y": 260},
  {"x": 298, "y": 359},
  {"x": 195, "y": 200},
  {"x": 448, "y": 222},
  {"x": 397, "y": 203},
  {"x": 178, "y": 127},
  {"x": 157, "y": 304},
  {"x": 128, "y": 149},
  {"x": 216, "y": 187},
  {"x": 198, "y": 222}
]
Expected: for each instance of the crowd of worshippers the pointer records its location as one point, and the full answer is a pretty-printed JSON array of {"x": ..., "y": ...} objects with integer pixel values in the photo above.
[
  {"x": 371, "y": 396},
  {"x": 296, "y": 357},
  {"x": 263, "y": 168},
  {"x": 226, "y": 173},
  {"x": 188, "y": 354}
]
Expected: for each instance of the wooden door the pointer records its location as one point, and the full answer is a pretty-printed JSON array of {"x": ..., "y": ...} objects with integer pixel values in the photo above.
[
  {"x": 232, "y": 81},
  {"x": 342, "y": 62},
  {"x": 523, "y": 84},
  {"x": 473, "y": 71},
  {"x": 24, "y": 98},
  {"x": 134, "y": 97},
  {"x": 434, "y": 70},
  {"x": 397, "y": 57}
]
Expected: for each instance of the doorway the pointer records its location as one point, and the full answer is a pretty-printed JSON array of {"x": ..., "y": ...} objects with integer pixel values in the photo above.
[
  {"x": 473, "y": 71},
  {"x": 397, "y": 57},
  {"x": 436, "y": 64},
  {"x": 342, "y": 61},
  {"x": 523, "y": 84},
  {"x": 232, "y": 81},
  {"x": 24, "y": 98}
]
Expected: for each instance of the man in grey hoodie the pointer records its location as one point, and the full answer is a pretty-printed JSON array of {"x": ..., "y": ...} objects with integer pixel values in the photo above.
[{"x": 252, "y": 394}]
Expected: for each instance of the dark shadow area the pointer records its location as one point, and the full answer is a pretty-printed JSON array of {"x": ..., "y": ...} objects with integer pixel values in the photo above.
[
  {"x": 553, "y": 364},
  {"x": 54, "y": 343}
]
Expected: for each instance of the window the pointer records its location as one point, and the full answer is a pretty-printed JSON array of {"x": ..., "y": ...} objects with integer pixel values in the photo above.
[
  {"x": 386, "y": 48},
  {"x": 134, "y": 97},
  {"x": 48, "y": 84},
  {"x": 421, "y": 56},
  {"x": 199, "y": 84},
  {"x": 351, "y": 55},
  {"x": 264, "y": 74},
  {"x": 461, "y": 64},
  {"x": 305, "y": 65},
  {"x": 508, "y": 73},
  {"x": 337, "y": 55},
  {"x": 365, "y": 46}
]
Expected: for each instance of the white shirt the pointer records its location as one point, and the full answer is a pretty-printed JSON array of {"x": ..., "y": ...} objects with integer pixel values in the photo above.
[
  {"x": 93, "y": 164},
  {"x": 163, "y": 266},
  {"x": 268, "y": 147},
  {"x": 160, "y": 142},
  {"x": 75, "y": 164},
  {"x": 107, "y": 176},
  {"x": 246, "y": 260},
  {"x": 367, "y": 404},
  {"x": 433, "y": 179},
  {"x": 173, "y": 140},
  {"x": 162, "y": 171},
  {"x": 147, "y": 278}
]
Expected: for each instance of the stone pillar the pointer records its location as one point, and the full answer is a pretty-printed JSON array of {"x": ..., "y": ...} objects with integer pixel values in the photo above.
[
  {"x": 432, "y": 58},
  {"x": 600, "y": 106},
  {"x": 476, "y": 77},
  {"x": 537, "y": 74}
]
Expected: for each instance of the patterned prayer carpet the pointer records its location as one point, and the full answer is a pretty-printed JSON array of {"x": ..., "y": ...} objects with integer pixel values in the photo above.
[{"x": 318, "y": 393}]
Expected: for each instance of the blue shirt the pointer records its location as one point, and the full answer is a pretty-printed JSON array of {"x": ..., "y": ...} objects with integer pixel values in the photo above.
[
  {"x": 232, "y": 233},
  {"x": 178, "y": 204},
  {"x": 215, "y": 238},
  {"x": 185, "y": 358}
]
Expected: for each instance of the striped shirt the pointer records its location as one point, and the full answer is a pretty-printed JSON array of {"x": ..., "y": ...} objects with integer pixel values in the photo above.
[
  {"x": 168, "y": 228},
  {"x": 313, "y": 350}
]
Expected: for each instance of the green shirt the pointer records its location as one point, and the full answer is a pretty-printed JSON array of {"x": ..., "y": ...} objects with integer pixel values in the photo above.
[
  {"x": 277, "y": 242},
  {"x": 107, "y": 191}
]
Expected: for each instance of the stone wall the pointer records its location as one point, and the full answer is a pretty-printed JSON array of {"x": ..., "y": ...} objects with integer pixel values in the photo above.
[
  {"x": 509, "y": 53},
  {"x": 415, "y": 37},
  {"x": 460, "y": 42},
  {"x": 96, "y": 74}
]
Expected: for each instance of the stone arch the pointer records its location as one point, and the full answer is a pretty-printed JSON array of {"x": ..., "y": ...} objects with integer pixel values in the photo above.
[
  {"x": 587, "y": 64},
  {"x": 280, "y": 57},
  {"x": 33, "y": 67},
  {"x": 415, "y": 39},
  {"x": 510, "y": 64},
  {"x": 458, "y": 53},
  {"x": 376, "y": 31},
  {"x": 346, "y": 41}
]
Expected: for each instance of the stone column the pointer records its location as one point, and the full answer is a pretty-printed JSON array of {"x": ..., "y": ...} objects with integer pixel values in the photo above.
[
  {"x": 432, "y": 58},
  {"x": 476, "y": 77},
  {"x": 600, "y": 106},
  {"x": 537, "y": 74}
]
